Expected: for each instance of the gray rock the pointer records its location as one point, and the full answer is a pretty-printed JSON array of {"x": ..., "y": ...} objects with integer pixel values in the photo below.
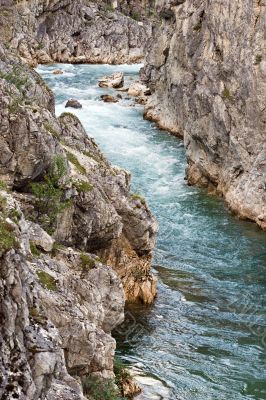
[
  {"x": 80, "y": 32},
  {"x": 211, "y": 90},
  {"x": 32, "y": 357},
  {"x": 39, "y": 237},
  {"x": 73, "y": 104}
]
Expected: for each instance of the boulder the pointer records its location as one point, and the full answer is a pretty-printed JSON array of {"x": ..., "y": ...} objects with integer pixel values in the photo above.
[
  {"x": 115, "y": 81},
  {"x": 73, "y": 104},
  {"x": 39, "y": 237},
  {"x": 107, "y": 98},
  {"x": 141, "y": 100}
]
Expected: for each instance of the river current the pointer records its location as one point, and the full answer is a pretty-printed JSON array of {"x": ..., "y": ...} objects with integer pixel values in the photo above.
[{"x": 205, "y": 336}]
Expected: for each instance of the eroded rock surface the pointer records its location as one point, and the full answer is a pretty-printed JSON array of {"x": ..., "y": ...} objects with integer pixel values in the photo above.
[
  {"x": 76, "y": 32},
  {"x": 206, "y": 66}
]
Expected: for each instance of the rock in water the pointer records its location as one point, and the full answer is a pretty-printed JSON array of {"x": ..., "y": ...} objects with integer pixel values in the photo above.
[
  {"x": 115, "y": 81},
  {"x": 107, "y": 98},
  {"x": 73, "y": 104},
  {"x": 58, "y": 72}
]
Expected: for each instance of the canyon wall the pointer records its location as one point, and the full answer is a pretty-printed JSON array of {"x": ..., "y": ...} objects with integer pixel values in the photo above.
[
  {"x": 82, "y": 31},
  {"x": 74, "y": 245},
  {"x": 206, "y": 67}
]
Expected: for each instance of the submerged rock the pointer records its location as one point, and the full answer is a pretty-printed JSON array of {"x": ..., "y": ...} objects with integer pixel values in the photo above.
[{"x": 57, "y": 72}]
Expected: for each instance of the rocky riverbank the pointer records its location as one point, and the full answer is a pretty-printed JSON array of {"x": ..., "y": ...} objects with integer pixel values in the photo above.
[
  {"x": 75, "y": 244},
  {"x": 206, "y": 68}
]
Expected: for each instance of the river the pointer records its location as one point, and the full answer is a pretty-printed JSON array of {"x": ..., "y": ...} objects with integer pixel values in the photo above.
[{"x": 205, "y": 336}]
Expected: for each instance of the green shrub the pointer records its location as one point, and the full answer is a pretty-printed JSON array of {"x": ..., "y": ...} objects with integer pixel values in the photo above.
[
  {"x": 86, "y": 262},
  {"x": 3, "y": 185},
  {"x": 40, "y": 46},
  {"x": 49, "y": 195},
  {"x": 121, "y": 373},
  {"x": 15, "y": 77},
  {"x": 8, "y": 240},
  {"x": 56, "y": 248},
  {"x": 135, "y": 16},
  {"x": 83, "y": 186},
  {"x": 73, "y": 159},
  {"x": 15, "y": 215},
  {"x": 47, "y": 281},
  {"x": 96, "y": 389}
]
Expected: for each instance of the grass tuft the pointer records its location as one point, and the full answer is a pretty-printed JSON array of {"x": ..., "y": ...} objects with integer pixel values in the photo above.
[
  {"x": 137, "y": 196},
  {"x": 226, "y": 94},
  {"x": 47, "y": 281},
  {"x": 83, "y": 186},
  {"x": 34, "y": 250},
  {"x": 8, "y": 240},
  {"x": 73, "y": 160}
]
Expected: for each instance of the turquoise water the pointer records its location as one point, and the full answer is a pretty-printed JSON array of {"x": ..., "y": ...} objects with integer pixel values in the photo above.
[{"x": 205, "y": 336}]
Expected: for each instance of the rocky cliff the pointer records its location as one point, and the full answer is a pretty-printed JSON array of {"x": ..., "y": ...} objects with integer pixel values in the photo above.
[
  {"x": 74, "y": 244},
  {"x": 77, "y": 32},
  {"x": 206, "y": 67}
]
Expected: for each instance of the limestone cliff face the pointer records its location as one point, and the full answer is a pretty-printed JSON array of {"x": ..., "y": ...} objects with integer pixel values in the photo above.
[
  {"x": 76, "y": 32},
  {"x": 56, "y": 317},
  {"x": 206, "y": 67},
  {"x": 64, "y": 213}
]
